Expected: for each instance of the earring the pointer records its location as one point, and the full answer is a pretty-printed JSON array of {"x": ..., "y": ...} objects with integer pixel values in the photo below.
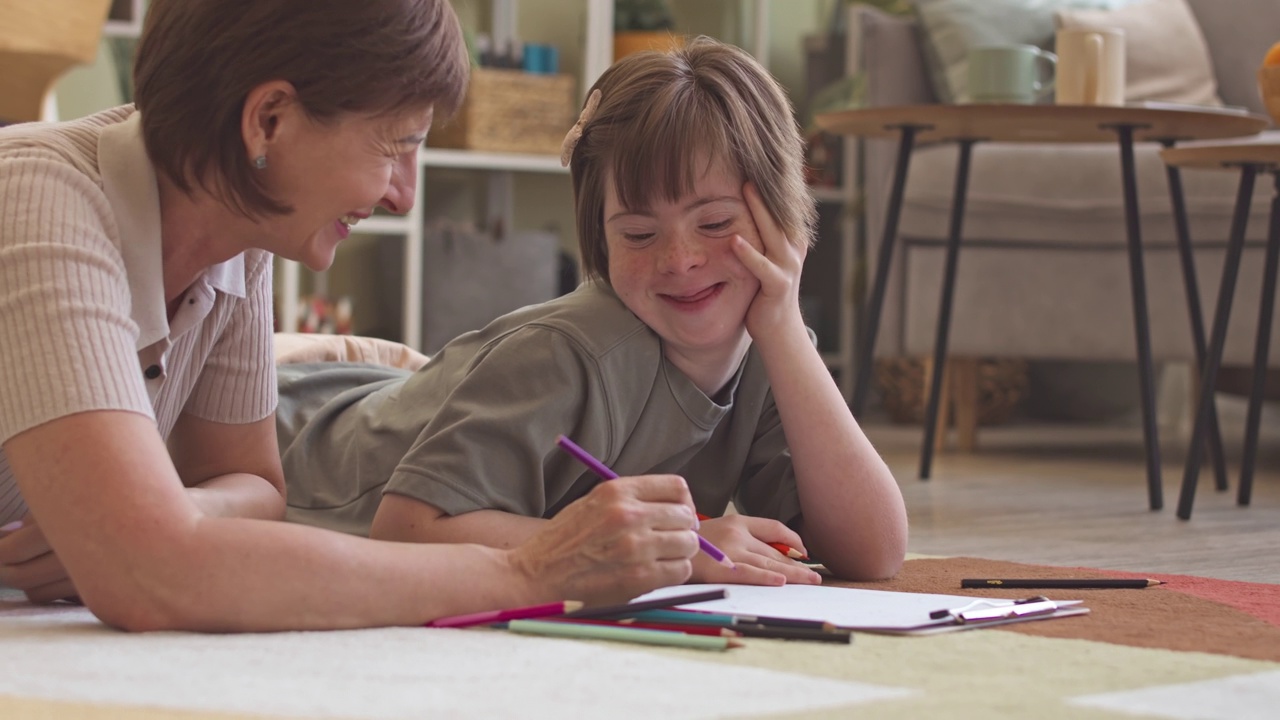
[{"x": 260, "y": 162}]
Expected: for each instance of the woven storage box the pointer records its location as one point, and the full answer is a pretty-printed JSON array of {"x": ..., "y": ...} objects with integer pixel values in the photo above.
[
  {"x": 1002, "y": 384},
  {"x": 510, "y": 111}
]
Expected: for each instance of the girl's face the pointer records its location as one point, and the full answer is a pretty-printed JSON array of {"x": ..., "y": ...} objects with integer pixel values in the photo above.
[
  {"x": 334, "y": 175},
  {"x": 673, "y": 266}
]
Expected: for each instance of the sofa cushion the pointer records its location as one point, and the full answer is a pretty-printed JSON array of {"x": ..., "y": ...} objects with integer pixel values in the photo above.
[
  {"x": 1166, "y": 58},
  {"x": 952, "y": 27},
  {"x": 1068, "y": 194},
  {"x": 1238, "y": 33}
]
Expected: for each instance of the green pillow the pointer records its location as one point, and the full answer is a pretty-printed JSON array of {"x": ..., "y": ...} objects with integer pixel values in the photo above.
[{"x": 951, "y": 27}]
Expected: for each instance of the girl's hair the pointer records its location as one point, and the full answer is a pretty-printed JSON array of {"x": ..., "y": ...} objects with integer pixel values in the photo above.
[
  {"x": 198, "y": 60},
  {"x": 660, "y": 112}
]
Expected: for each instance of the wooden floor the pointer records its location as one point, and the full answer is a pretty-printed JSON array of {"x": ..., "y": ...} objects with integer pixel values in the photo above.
[{"x": 1076, "y": 495}]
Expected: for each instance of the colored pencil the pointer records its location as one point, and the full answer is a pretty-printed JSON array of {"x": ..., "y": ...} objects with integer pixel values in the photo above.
[
  {"x": 605, "y": 473},
  {"x": 629, "y": 609},
  {"x": 1061, "y": 583},
  {"x": 780, "y": 547},
  {"x": 622, "y": 634},
  {"x": 713, "y": 630},
  {"x": 765, "y": 619},
  {"x": 493, "y": 616},
  {"x": 789, "y": 551},
  {"x": 793, "y": 633}
]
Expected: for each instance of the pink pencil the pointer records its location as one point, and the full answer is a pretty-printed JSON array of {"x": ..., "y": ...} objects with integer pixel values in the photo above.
[{"x": 495, "y": 616}]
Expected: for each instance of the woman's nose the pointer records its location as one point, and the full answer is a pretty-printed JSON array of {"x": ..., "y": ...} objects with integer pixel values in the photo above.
[{"x": 402, "y": 189}]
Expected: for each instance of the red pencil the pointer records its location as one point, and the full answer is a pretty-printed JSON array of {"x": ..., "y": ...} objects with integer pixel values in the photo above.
[
  {"x": 494, "y": 616},
  {"x": 783, "y": 548}
]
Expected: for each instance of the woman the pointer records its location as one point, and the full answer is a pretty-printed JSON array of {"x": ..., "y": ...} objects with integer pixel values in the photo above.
[{"x": 137, "y": 390}]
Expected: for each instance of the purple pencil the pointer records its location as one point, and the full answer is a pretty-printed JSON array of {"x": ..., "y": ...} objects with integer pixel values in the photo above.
[{"x": 604, "y": 472}]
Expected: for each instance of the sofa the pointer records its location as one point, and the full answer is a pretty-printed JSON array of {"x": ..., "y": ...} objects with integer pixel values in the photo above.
[{"x": 1043, "y": 269}]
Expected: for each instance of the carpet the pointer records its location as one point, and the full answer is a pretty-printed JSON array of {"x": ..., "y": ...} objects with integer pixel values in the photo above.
[{"x": 1192, "y": 648}]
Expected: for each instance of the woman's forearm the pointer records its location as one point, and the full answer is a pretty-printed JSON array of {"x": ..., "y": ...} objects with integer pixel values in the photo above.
[{"x": 239, "y": 495}]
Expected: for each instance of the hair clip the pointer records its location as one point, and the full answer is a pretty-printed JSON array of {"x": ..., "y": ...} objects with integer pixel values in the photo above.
[{"x": 575, "y": 132}]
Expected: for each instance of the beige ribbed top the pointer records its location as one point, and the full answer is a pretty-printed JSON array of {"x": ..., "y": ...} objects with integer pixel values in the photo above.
[{"x": 83, "y": 324}]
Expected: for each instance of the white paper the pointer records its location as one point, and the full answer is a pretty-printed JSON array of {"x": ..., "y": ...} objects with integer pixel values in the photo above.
[{"x": 847, "y": 607}]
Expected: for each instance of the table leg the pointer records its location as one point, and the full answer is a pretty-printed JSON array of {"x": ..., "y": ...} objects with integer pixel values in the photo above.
[
  {"x": 871, "y": 324},
  {"x": 1222, "y": 314},
  {"x": 1185, "y": 253},
  {"x": 958, "y": 200},
  {"x": 1138, "y": 285},
  {"x": 1265, "y": 313}
]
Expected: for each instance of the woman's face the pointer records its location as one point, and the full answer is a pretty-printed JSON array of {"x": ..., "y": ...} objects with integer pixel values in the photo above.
[{"x": 335, "y": 174}]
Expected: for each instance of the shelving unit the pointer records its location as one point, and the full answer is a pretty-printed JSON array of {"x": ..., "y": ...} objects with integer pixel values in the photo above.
[{"x": 597, "y": 56}]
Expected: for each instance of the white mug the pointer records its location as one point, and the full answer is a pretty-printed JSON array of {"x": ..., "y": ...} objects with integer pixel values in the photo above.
[{"x": 1090, "y": 66}]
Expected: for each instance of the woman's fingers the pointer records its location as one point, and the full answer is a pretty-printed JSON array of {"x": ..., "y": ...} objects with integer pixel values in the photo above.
[
  {"x": 33, "y": 573},
  {"x": 22, "y": 544},
  {"x": 52, "y": 592},
  {"x": 626, "y": 537}
]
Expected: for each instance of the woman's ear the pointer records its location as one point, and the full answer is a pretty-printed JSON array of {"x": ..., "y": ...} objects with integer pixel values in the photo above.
[{"x": 267, "y": 109}]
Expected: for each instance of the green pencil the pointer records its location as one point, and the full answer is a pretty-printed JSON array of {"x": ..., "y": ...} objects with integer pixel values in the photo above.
[{"x": 622, "y": 634}]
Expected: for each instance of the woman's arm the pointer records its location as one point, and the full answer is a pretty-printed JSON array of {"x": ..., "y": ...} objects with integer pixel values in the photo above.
[
  {"x": 144, "y": 556},
  {"x": 854, "y": 519},
  {"x": 230, "y": 470}
]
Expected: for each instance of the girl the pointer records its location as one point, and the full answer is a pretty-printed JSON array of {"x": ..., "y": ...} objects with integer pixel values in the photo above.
[{"x": 684, "y": 352}]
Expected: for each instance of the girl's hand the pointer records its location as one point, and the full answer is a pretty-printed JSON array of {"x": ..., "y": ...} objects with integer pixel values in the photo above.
[
  {"x": 777, "y": 266},
  {"x": 746, "y": 541},
  {"x": 30, "y": 565}
]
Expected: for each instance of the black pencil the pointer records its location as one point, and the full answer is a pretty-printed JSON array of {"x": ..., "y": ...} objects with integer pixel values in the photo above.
[
  {"x": 1059, "y": 583},
  {"x": 792, "y": 633},
  {"x": 625, "y": 609}
]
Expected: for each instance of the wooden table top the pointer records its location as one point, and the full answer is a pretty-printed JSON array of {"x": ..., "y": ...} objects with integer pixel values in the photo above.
[
  {"x": 1040, "y": 123},
  {"x": 1225, "y": 156}
]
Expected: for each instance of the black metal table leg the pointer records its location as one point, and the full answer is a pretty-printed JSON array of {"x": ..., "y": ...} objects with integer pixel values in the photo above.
[
  {"x": 958, "y": 201},
  {"x": 1265, "y": 313},
  {"x": 1187, "y": 256},
  {"x": 1217, "y": 339},
  {"x": 1138, "y": 284},
  {"x": 871, "y": 324}
]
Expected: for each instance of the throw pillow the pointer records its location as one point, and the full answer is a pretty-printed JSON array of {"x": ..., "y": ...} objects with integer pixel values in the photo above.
[
  {"x": 951, "y": 28},
  {"x": 1166, "y": 56}
]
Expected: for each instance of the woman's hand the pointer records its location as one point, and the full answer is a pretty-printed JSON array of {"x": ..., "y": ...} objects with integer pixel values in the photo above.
[
  {"x": 624, "y": 538},
  {"x": 746, "y": 541},
  {"x": 777, "y": 266},
  {"x": 30, "y": 565}
]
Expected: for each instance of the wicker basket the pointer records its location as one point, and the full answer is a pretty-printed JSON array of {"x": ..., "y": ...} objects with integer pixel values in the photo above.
[
  {"x": 1002, "y": 384},
  {"x": 510, "y": 111}
]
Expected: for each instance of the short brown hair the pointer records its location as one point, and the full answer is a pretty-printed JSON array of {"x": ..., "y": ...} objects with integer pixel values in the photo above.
[
  {"x": 660, "y": 111},
  {"x": 198, "y": 60}
]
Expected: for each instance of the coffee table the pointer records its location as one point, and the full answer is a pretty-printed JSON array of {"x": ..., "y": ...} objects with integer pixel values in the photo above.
[
  {"x": 968, "y": 125},
  {"x": 1250, "y": 159}
]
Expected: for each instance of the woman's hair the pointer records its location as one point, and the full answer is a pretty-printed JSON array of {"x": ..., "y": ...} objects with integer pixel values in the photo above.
[
  {"x": 198, "y": 60},
  {"x": 661, "y": 112}
]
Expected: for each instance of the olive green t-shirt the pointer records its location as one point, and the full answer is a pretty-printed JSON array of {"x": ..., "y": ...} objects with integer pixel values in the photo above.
[{"x": 476, "y": 427}]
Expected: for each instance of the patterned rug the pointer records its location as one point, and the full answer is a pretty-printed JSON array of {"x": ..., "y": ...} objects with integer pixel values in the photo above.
[{"x": 1191, "y": 648}]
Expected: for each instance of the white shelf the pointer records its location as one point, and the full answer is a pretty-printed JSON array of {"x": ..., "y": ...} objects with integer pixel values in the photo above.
[{"x": 476, "y": 160}]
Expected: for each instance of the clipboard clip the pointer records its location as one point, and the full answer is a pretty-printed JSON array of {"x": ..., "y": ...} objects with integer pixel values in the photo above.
[{"x": 986, "y": 610}]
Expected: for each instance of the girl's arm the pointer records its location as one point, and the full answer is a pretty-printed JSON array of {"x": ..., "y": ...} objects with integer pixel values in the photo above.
[
  {"x": 144, "y": 556},
  {"x": 855, "y": 521}
]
